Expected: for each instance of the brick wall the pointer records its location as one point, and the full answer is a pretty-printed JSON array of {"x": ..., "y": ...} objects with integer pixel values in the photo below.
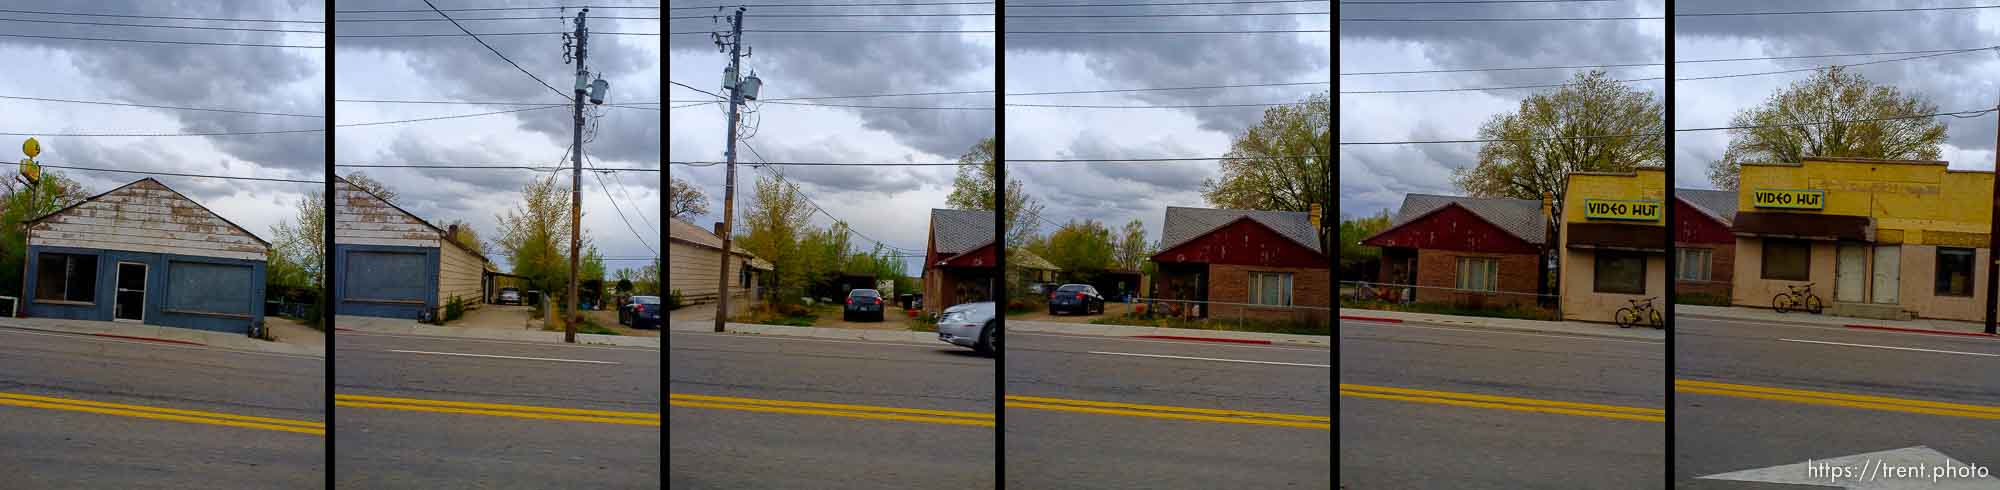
[
  {"x": 1231, "y": 284},
  {"x": 1439, "y": 269},
  {"x": 1722, "y": 270}
]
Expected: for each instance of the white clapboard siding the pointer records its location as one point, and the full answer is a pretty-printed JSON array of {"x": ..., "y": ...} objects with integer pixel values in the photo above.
[
  {"x": 146, "y": 217},
  {"x": 359, "y": 218},
  {"x": 692, "y": 269},
  {"x": 460, "y": 273}
]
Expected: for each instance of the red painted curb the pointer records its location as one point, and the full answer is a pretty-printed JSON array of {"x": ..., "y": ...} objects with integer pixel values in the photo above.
[
  {"x": 150, "y": 339},
  {"x": 338, "y": 329},
  {"x": 1919, "y": 330},
  {"x": 1371, "y": 319},
  {"x": 1203, "y": 339}
]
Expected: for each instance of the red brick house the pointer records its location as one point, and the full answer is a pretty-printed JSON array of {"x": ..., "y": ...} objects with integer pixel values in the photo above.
[
  {"x": 960, "y": 259},
  {"x": 1453, "y": 248},
  {"x": 1269, "y": 260},
  {"x": 1704, "y": 247}
]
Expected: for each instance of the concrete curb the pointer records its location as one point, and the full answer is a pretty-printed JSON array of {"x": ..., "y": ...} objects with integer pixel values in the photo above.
[
  {"x": 194, "y": 338},
  {"x": 412, "y": 328},
  {"x": 1838, "y": 325},
  {"x": 901, "y": 336},
  {"x": 1164, "y": 332},
  {"x": 1636, "y": 333}
]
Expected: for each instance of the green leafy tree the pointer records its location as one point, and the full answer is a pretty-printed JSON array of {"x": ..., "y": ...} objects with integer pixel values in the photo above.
[
  {"x": 1281, "y": 164},
  {"x": 1537, "y": 144},
  {"x": 1082, "y": 248},
  {"x": 772, "y": 228},
  {"x": 1357, "y": 261},
  {"x": 461, "y": 232},
  {"x": 299, "y": 245},
  {"x": 1132, "y": 245},
  {"x": 535, "y": 234},
  {"x": 377, "y": 187},
  {"x": 1832, "y": 94},
  {"x": 684, "y": 200},
  {"x": 974, "y": 189},
  {"x": 23, "y": 203}
]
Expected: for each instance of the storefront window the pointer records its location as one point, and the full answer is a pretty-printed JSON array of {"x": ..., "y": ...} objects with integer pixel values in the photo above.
[
  {"x": 1954, "y": 271},
  {"x": 66, "y": 277},
  {"x": 1619, "y": 273},
  {"x": 1478, "y": 273},
  {"x": 1694, "y": 264},
  {"x": 1787, "y": 260}
]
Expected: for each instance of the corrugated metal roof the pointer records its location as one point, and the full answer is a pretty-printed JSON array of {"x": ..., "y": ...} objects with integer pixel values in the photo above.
[
  {"x": 1519, "y": 217},
  {"x": 1720, "y": 204},
  {"x": 960, "y": 231},
  {"x": 1185, "y": 224},
  {"x": 688, "y": 232}
]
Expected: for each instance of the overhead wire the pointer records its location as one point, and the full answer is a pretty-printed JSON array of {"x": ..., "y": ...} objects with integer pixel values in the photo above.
[
  {"x": 204, "y": 28},
  {"x": 167, "y": 17},
  {"x": 152, "y": 106},
  {"x": 148, "y": 41},
  {"x": 621, "y": 212},
  {"x": 496, "y": 52},
  {"x": 168, "y": 174},
  {"x": 815, "y": 205}
]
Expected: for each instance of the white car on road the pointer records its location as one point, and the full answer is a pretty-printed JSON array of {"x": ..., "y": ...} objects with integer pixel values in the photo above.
[{"x": 970, "y": 325}]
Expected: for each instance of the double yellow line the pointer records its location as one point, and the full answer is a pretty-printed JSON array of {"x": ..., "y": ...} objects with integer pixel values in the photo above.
[
  {"x": 831, "y": 409},
  {"x": 1838, "y": 399},
  {"x": 498, "y": 410},
  {"x": 1504, "y": 402},
  {"x": 1171, "y": 412},
  {"x": 162, "y": 413}
]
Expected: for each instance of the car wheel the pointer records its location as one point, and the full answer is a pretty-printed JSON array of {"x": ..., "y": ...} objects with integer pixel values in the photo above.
[{"x": 989, "y": 340}]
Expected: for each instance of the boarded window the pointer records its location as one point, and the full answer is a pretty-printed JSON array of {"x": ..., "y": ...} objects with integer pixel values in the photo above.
[
  {"x": 1787, "y": 260},
  {"x": 66, "y": 277},
  {"x": 1478, "y": 273},
  {"x": 211, "y": 288},
  {"x": 387, "y": 276},
  {"x": 1954, "y": 271},
  {"x": 1619, "y": 273},
  {"x": 1270, "y": 288},
  {"x": 1694, "y": 264}
]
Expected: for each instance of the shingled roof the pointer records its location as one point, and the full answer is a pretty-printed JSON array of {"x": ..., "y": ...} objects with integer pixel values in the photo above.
[
  {"x": 1718, "y": 204},
  {"x": 1519, "y": 217},
  {"x": 688, "y": 232},
  {"x": 959, "y": 231},
  {"x": 1186, "y": 224}
]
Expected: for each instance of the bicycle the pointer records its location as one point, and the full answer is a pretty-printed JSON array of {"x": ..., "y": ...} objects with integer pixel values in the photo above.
[
  {"x": 1797, "y": 299},
  {"x": 1641, "y": 310}
]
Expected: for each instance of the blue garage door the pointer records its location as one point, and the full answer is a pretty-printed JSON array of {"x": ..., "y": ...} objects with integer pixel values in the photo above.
[{"x": 385, "y": 284}]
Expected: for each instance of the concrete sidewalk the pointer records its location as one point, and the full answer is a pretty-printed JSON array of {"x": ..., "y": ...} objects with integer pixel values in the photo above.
[
  {"x": 397, "y": 326},
  {"x": 1015, "y": 326},
  {"x": 1562, "y": 327},
  {"x": 871, "y": 335},
  {"x": 1741, "y": 313},
  {"x": 174, "y": 335}
]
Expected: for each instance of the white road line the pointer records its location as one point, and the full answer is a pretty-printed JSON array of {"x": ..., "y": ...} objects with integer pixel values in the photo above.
[
  {"x": 491, "y": 341},
  {"x": 1896, "y": 348},
  {"x": 1816, "y": 327},
  {"x": 1576, "y": 337},
  {"x": 499, "y": 357},
  {"x": 1175, "y": 342},
  {"x": 1213, "y": 359}
]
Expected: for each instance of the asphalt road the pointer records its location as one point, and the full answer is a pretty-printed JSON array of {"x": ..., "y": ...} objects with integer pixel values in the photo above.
[
  {"x": 71, "y": 447},
  {"x": 564, "y": 416},
  {"x": 1426, "y": 443},
  {"x": 905, "y": 415},
  {"x": 1718, "y": 433},
  {"x": 1129, "y": 391}
]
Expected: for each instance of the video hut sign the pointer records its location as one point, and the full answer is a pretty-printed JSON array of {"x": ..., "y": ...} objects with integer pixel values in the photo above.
[
  {"x": 1788, "y": 198},
  {"x": 1621, "y": 210}
]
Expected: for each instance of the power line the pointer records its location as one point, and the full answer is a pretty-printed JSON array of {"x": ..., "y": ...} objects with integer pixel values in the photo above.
[
  {"x": 462, "y": 19},
  {"x": 1677, "y": 62},
  {"x": 124, "y": 104},
  {"x": 459, "y": 116},
  {"x": 829, "y": 5},
  {"x": 224, "y": 19},
  {"x": 815, "y": 205},
  {"x": 842, "y": 31},
  {"x": 1878, "y": 53},
  {"x": 169, "y": 174},
  {"x": 773, "y": 16},
  {"x": 824, "y": 164},
  {"x": 489, "y": 9},
  {"x": 1817, "y": 68},
  {"x": 691, "y": 87},
  {"x": 1067, "y": 92},
  {"x": 1082, "y": 4},
  {"x": 1120, "y": 16},
  {"x": 1261, "y": 31},
  {"x": 1378, "y": 2},
  {"x": 621, "y": 212},
  {"x": 1512, "y": 19},
  {"x": 137, "y": 135},
  {"x": 1470, "y": 89},
  {"x": 193, "y": 43},
  {"x": 594, "y": 33},
  {"x": 1460, "y": 70},
  {"x": 1809, "y": 12},
  {"x": 1496, "y": 140},
  {"x": 1188, "y": 106},
  {"x": 463, "y": 102},
  {"x": 496, "y": 52},
  {"x": 1134, "y": 160},
  {"x": 1958, "y": 114},
  {"x": 858, "y": 106},
  {"x": 203, "y": 28},
  {"x": 503, "y": 166}
]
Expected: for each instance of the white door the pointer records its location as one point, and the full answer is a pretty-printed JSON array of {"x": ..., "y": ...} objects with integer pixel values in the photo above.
[
  {"x": 1888, "y": 273},
  {"x": 1850, "y": 274}
]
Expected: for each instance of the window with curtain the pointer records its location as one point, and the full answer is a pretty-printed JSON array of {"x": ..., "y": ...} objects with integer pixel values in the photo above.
[
  {"x": 1478, "y": 273},
  {"x": 1271, "y": 288}
]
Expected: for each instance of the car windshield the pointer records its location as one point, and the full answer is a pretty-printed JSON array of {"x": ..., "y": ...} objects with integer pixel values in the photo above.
[
  {"x": 1071, "y": 288},
  {"x": 509, "y": 290},
  {"x": 864, "y": 293},
  {"x": 646, "y": 300}
]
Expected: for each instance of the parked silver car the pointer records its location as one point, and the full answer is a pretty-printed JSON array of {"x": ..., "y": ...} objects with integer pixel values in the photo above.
[{"x": 970, "y": 325}]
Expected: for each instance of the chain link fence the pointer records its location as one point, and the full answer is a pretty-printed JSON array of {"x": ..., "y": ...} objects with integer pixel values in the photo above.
[{"x": 1447, "y": 300}]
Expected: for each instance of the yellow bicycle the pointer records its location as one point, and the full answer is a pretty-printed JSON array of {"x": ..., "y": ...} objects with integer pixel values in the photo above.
[
  {"x": 1797, "y": 299},
  {"x": 1640, "y": 311}
]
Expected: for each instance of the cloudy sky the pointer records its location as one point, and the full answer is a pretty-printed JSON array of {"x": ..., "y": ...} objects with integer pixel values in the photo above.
[
  {"x": 1376, "y": 177},
  {"x": 288, "y": 80},
  {"x": 457, "y": 68},
  {"x": 890, "y": 204},
  {"x": 1117, "y": 193},
  {"x": 1955, "y": 82}
]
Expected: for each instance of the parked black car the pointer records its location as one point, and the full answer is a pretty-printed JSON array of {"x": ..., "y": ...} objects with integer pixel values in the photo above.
[
  {"x": 863, "y": 303},
  {"x": 642, "y": 311},
  {"x": 1075, "y": 298}
]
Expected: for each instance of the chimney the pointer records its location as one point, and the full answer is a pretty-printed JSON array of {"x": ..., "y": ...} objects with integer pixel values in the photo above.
[
  {"x": 1548, "y": 200},
  {"x": 718, "y": 228},
  {"x": 451, "y": 230}
]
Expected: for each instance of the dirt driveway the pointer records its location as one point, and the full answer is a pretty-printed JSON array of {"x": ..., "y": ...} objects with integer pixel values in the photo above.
[
  {"x": 517, "y": 318},
  {"x": 892, "y": 319},
  {"x": 1110, "y": 309}
]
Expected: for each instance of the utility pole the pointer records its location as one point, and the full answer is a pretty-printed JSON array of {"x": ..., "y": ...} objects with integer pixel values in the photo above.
[
  {"x": 735, "y": 45},
  {"x": 1993, "y": 241},
  {"x": 576, "y": 177}
]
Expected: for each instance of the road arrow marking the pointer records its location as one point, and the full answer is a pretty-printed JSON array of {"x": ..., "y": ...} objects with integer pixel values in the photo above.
[{"x": 1910, "y": 467}]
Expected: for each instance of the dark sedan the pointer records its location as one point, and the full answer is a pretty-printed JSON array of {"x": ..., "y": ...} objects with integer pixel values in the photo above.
[
  {"x": 642, "y": 311},
  {"x": 1076, "y": 298},
  {"x": 863, "y": 303}
]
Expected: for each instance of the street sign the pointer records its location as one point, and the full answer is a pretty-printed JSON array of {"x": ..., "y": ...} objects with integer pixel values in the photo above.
[
  {"x": 31, "y": 171},
  {"x": 31, "y": 147},
  {"x": 1910, "y": 467}
]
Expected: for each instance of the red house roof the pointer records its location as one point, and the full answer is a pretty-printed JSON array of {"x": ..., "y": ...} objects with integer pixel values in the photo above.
[
  {"x": 1244, "y": 241},
  {"x": 1452, "y": 227}
]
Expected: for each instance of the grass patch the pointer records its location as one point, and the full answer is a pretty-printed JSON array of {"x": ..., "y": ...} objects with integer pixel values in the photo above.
[
  {"x": 787, "y": 315},
  {"x": 1514, "y": 312},
  {"x": 1225, "y": 325},
  {"x": 1700, "y": 299},
  {"x": 922, "y": 322},
  {"x": 588, "y": 326}
]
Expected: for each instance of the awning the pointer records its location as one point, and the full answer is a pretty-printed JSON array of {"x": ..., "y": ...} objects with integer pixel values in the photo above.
[
  {"x": 1617, "y": 236},
  {"x": 1804, "y": 226}
]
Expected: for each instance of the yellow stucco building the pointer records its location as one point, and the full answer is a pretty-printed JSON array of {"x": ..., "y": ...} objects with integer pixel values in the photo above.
[
  {"x": 1613, "y": 242},
  {"x": 1875, "y": 238}
]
